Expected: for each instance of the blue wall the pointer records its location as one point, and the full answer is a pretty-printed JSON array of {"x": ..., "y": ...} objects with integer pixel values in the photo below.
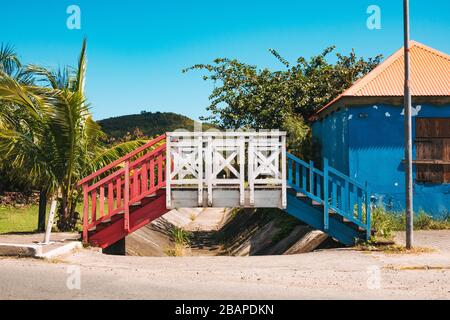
[
  {"x": 331, "y": 136},
  {"x": 371, "y": 138}
]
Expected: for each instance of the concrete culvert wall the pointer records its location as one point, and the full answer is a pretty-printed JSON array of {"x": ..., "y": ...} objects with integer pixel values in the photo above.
[{"x": 221, "y": 231}]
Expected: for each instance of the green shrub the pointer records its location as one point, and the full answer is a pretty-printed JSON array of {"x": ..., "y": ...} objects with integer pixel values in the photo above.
[
  {"x": 180, "y": 236},
  {"x": 385, "y": 222}
]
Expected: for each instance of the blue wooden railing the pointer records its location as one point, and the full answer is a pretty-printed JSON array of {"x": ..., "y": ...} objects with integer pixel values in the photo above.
[{"x": 337, "y": 192}]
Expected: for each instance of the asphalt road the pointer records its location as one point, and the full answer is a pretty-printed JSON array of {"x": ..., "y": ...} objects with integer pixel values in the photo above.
[{"x": 329, "y": 274}]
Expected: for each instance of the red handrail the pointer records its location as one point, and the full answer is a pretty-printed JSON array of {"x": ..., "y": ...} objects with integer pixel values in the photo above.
[
  {"x": 123, "y": 159},
  {"x": 131, "y": 182}
]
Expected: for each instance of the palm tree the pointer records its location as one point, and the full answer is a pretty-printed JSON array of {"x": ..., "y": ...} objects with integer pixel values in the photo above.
[
  {"x": 11, "y": 65},
  {"x": 47, "y": 133}
]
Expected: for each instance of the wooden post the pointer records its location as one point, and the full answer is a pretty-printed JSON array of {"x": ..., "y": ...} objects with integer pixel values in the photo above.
[
  {"x": 368, "y": 213},
  {"x": 209, "y": 169},
  {"x": 85, "y": 213},
  {"x": 168, "y": 172},
  {"x": 102, "y": 201},
  {"x": 127, "y": 197},
  {"x": 311, "y": 177},
  {"x": 94, "y": 205},
  {"x": 251, "y": 178},
  {"x": 325, "y": 195},
  {"x": 283, "y": 173},
  {"x": 200, "y": 170},
  {"x": 241, "y": 171}
]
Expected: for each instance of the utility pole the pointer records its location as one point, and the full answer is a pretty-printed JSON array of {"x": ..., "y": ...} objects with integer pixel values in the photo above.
[{"x": 408, "y": 133}]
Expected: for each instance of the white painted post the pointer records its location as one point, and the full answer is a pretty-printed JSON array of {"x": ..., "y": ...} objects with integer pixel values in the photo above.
[
  {"x": 168, "y": 172},
  {"x": 241, "y": 171},
  {"x": 283, "y": 172},
  {"x": 200, "y": 170},
  {"x": 51, "y": 218},
  {"x": 251, "y": 178},
  {"x": 209, "y": 168}
]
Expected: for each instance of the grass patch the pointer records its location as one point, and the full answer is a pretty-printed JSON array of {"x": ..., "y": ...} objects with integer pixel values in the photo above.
[
  {"x": 385, "y": 223},
  {"x": 180, "y": 236},
  {"x": 181, "y": 239},
  {"x": 24, "y": 219}
]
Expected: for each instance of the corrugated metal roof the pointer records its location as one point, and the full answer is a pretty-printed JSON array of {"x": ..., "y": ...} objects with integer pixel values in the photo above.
[{"x": 430, "y": 76}]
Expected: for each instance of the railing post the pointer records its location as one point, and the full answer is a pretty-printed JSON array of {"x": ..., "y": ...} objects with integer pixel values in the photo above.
[
  {"x": 85, "y": 213},
  {"x": 209, "y": 169},
  {"x": 311, "y": 177},
  {"x": 290, "y": 173},
  {"x": 368, "y": 213},
  {"x": 168, "y": 172},
  {"x": 200, "y": 170},
  {"x": 127, "y": 197},
  {"x": 242, "y": 171},
  {"x": 325, "y": 195},
  {"x": 283, "y": 172},
  {"x": 251, "y": 178},
  {"x": 346, "y": 198}
]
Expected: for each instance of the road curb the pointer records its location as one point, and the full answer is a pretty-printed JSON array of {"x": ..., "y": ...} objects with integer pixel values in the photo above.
[{"x": 36, "y": 250}]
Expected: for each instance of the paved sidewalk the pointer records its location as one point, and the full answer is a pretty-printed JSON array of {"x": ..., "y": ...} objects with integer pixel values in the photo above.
[{"x": 29, "y": 244}]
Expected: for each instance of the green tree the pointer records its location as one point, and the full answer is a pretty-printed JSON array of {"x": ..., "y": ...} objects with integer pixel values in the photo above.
[
  {"x": 245, "y": 96},
  {"x": 48, "y": 135},
  {"x": 11, "y": 65}
]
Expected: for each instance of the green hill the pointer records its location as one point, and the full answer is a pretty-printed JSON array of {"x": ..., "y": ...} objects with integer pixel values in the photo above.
[{"x": 150, "y": 123}]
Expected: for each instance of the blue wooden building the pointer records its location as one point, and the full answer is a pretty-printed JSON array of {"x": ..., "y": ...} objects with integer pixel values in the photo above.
[{"x": 362, "y": 131}]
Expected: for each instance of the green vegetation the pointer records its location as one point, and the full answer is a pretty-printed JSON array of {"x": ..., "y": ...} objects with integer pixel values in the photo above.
[
  {"x": 245, "y": 96},
  {"x": 180, "y": 236},
  {"x": 48, "y": 138},
  {"x": 24, "y": 219},
  {"x": 18, "y": 219},
  {"x": 385, "y": 223},
  {"x": 149, "y": 123},
  {"x": 181, "y": 239}
]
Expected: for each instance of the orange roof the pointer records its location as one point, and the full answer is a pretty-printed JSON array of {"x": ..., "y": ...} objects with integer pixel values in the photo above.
[{"x": 430, "y": 76}]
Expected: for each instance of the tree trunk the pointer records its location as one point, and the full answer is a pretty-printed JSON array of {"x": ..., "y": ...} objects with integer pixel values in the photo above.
[
  {"x": 67, "y": 217},
  {"x": 42, "y": 210}
]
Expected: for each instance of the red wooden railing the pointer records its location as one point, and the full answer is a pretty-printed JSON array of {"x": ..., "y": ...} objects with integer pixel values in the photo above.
[{"x": 111, "y": 190}]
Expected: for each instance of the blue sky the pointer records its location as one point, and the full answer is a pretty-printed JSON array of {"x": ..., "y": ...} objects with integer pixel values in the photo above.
[{"x": 137, "y": 48}]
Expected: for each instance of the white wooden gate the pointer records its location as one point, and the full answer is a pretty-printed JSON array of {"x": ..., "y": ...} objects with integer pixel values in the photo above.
[{"x": 246, "y": 169}]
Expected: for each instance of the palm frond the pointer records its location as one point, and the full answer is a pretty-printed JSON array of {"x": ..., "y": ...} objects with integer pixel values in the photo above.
[
  {"x": 14, "y": 92},
  {"x": 56, "y": 79},
  {"x": 9, "y": 61},
  {"x": 81, "y": 71},
  {"x": 113, "y": 153}
]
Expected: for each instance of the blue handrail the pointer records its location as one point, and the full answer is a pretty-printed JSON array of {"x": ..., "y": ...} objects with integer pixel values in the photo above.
[{"x": 337, "y": 192}]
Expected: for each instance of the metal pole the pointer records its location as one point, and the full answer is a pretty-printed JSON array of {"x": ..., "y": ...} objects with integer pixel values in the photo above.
[{"x": 408, "y": 133}]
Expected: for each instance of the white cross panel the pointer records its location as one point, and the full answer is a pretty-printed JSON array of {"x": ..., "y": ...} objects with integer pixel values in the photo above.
[{"x": 226, "y": 160}]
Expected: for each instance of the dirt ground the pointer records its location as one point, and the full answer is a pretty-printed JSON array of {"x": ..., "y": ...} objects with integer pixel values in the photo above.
[{"x": 325, "y": 274}]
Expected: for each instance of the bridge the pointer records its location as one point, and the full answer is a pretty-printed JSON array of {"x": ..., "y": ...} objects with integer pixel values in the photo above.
[{"x": 220, "y": 169}]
